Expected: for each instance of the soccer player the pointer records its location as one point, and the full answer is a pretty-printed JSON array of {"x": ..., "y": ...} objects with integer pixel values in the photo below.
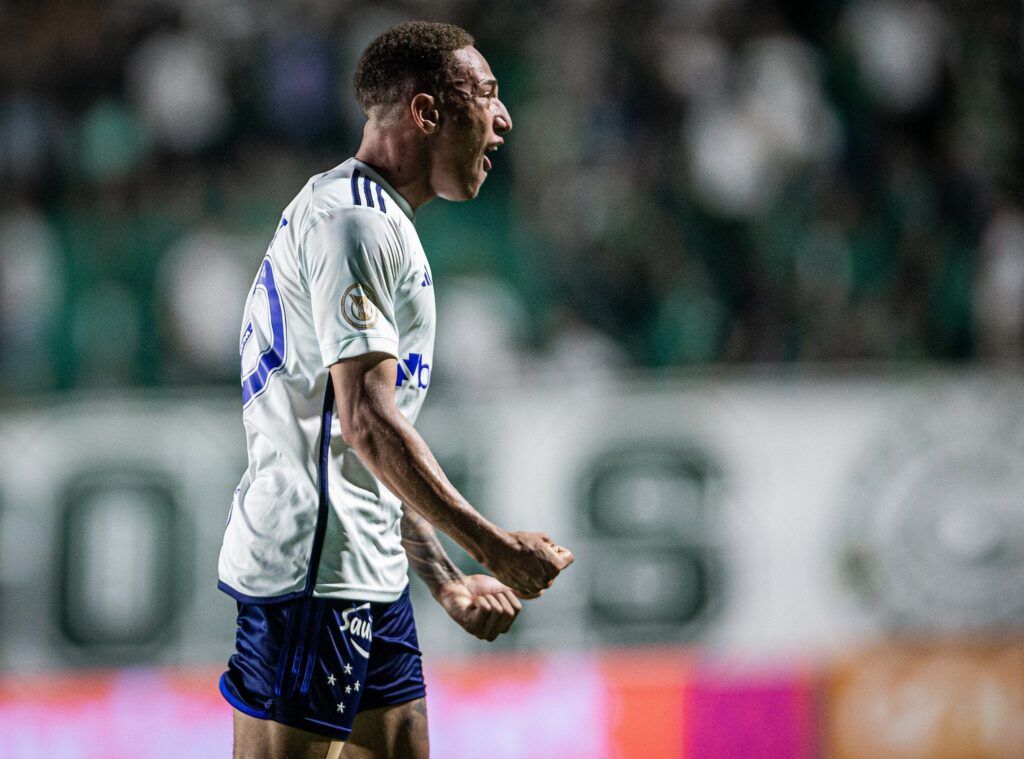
[{"x": 336, "y": 351}]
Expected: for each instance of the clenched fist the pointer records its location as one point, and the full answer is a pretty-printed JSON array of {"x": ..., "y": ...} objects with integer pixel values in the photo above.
[
  {"x": 483, "y": 606},
  {"x": 528, "y": 562}
]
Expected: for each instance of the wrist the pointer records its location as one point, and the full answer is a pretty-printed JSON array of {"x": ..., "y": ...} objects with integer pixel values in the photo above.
[
  {"x": 447, "y": 587},
  {"x": 442, "y": 582},
  {"x": 491, "y": 544}
]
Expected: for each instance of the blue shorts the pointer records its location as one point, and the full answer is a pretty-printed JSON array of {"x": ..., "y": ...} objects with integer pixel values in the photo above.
[{"x": 314, "y": 663}]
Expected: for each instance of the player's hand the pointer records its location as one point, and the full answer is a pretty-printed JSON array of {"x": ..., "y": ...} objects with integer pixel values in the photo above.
[
  {"x": 481, "y": 604},
  {"x": 529, "y": 562}
]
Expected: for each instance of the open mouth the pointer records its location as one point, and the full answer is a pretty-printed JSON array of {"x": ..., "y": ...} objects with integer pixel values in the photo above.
[{"x": 490, "y": 149}]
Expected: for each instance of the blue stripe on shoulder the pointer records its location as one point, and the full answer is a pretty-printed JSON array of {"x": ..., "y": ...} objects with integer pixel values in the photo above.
[
  {"x": 355, "y": 188},
  {"x": 366, "y": 190},
  {"x": 365, "y": 196}
]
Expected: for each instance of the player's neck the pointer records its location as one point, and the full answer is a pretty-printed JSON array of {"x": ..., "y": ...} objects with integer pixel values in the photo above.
[{"x": 399, "y": 158}]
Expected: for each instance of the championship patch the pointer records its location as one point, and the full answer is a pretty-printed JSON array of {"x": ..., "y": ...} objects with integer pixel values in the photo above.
[{"x": 357, "y": 306}]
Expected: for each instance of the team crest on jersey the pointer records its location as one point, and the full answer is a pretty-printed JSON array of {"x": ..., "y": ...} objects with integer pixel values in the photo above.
[{"x": 357, "y": 306}]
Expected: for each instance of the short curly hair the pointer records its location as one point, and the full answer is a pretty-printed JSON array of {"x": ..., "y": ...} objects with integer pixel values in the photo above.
[{"x": 416, "y": 56}]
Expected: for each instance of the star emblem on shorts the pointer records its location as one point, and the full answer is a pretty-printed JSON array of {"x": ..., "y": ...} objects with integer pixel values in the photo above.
[
  {"x": 348, "y": 689},
  {"x": 348, "y": 669},
  {"x": 341, "y": 708},
  {"x": 356, "y": 686},
  {"x": 331, "y": 679}
]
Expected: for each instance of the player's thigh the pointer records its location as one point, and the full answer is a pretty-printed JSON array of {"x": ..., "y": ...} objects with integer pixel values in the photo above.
[
  {"x": 391, "y": 732},
  {"x": 264, "y": 739}
]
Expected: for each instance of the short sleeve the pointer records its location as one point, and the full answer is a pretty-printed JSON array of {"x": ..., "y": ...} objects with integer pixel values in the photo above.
[{"x": 352, "y": 259}]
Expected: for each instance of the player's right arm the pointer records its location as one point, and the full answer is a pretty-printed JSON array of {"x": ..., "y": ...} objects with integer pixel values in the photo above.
[
  {"x": 353, "y": 260},
  {"x": 393, "y": 450}
]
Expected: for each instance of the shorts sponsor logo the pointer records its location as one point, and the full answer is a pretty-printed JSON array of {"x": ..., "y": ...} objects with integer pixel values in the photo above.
[
  {"x": 357, "y": 306},
  {"x": 357, "y": 627}
]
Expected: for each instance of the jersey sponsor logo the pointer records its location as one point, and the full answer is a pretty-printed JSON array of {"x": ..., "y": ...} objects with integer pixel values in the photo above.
[
  {"x": 414, "y": 370},
  {"x": 358, "y": 308},
  {"x": 357, "y": 627}
]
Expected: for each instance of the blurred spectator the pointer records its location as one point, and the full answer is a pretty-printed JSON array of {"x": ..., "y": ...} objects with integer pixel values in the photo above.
[
  {"x": 111, "y": 142},
  {"x": 713, "y": 180},
  {"x": 298, "y": 86},
  {"x": 176, "y": 82},
  {"x": 485, "y": 333},
  {"x": 31, "y": 297},
  {"x": 27, "y": 131},
  {"x": 900, "y": 49},
  {"x": 999, "y": 292},
  {"x": 204, "y": 280}
]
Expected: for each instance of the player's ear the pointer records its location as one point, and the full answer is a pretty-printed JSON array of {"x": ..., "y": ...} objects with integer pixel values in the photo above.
[{"x": 424, "y": 113}]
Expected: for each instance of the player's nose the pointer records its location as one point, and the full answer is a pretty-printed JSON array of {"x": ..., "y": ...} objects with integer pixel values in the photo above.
[{"x": 502, "y": 121}]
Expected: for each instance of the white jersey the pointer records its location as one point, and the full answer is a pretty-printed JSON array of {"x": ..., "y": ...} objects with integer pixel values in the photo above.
[{"x": 345, "y": 275}]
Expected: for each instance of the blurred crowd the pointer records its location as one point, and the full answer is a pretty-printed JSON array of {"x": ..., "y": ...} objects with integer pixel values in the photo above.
[{"x": 688, "y": 181}]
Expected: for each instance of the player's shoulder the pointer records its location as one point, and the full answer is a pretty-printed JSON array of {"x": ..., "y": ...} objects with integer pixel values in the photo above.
[
  {"x": 339, "y": 217},
  {"x": 353, "y": 185}
]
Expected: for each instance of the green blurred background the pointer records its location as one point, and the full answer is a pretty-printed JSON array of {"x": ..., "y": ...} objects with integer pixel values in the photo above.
[{"x": 687, "y": 182}]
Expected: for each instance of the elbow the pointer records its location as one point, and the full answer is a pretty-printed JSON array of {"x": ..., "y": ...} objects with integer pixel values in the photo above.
[{"x": 358, "y": 431}]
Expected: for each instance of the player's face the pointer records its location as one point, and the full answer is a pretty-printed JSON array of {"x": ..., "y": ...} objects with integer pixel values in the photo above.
[{"x": 471, "y": 125}]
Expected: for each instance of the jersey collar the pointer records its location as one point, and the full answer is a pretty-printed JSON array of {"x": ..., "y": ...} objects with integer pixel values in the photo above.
[{"x": 402, "y": 202}]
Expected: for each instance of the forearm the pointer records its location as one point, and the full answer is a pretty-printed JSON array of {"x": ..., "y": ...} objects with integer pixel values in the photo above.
[
  {"x": 397, "y": 455},
  {"x": 426, "y": 555}
]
